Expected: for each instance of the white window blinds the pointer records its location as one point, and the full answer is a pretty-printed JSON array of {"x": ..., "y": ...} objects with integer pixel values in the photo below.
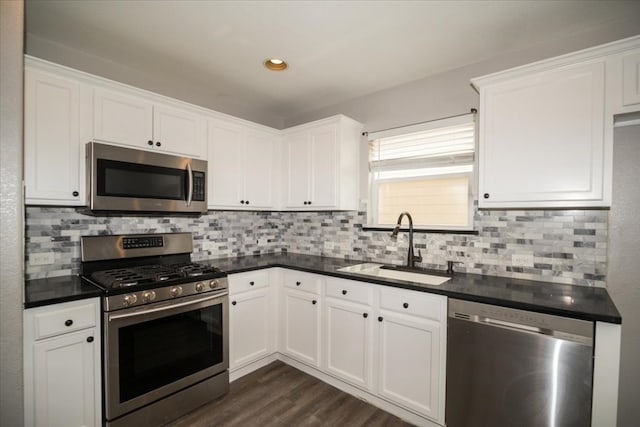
[{"x": 426, "y": 169}]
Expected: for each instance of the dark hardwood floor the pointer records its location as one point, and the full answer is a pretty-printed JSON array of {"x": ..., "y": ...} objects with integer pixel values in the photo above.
[{"x": 280, "y": 395}]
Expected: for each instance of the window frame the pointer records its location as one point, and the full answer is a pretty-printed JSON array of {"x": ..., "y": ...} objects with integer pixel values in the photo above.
[{"x": 372, "y": 222}]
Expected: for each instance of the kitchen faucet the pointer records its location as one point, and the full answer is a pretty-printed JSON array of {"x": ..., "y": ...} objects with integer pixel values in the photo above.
[{"x": 411, "y": 258}]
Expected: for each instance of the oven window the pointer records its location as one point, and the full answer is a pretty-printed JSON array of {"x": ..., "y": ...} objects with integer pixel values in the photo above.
[
  {"x": 161, "y": 351},
  {"x": 123, "y": 179}
]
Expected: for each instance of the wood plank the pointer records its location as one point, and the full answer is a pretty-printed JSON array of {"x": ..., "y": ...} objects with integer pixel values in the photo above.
[{"x": 280, "y": 395}]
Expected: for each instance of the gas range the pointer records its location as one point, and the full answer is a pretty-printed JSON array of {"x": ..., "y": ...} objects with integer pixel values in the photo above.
[
  {"x": 135, "y": 270},
  {"x": 165, "y": 326}
]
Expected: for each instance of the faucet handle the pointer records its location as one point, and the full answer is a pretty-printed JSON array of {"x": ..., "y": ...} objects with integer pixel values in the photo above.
[
  {"x": 418, "y": 258},
  {"x": 450, "y": 266}
]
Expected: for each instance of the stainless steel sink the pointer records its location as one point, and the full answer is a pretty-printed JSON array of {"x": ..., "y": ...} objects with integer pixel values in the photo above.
[{"x": 392, "y": 272}]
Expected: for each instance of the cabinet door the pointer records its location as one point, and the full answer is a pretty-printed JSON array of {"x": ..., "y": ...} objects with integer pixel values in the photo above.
[
  {"x": 302, "y": 326},
  {"x": 225, "y": 165},
  {"x": 324, "y": 164},
  {"x": 121, "y": 119},
  {"x": 297, "y": 157},
  {"x": 349, "y": 341},
  {"x": 53, "y": 153},
  {"x": 65, "y": 372},
  {"x": 178, "y": 131},
  {"x": 259, "y": 161},
  {"x": 631, "y": 79},
  {"x": 542, "y": 140},
  {"x": 409, "y": 371},
  {"x": 249, "y": 327}
]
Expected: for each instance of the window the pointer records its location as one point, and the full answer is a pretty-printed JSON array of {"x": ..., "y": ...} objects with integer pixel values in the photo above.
[{"x": 426, "y": 170}]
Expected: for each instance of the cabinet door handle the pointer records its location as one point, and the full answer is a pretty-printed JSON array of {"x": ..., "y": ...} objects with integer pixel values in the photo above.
[
  {"x": 298, "y": 283},
  {"x": 75, "y": 194},
  {"x": 344, "y": 292},
  {"x": 242, "y": 202},
  {"x": 405, "y": 305},
  {"x": 485, "y": 195},
  {"x": 89, "y": 339},
  {"x": 158, "y": 144},
  {"x": 68, "y": 322},
  {"x": 247, "y": 202},
  {"x": 305, "y": 203},
  {"x": 309, "y": 202},
  {"x": 251, "y": 283},
  {"x": 314, "y": 302},
  {"x": 380, "y": 319},
  {"x": 233, "y": 302},
  {"x": 365, "y": 315},
  {"x": 150, "y": 142}
]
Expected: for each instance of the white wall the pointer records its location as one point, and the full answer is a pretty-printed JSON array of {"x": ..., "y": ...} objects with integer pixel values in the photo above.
[
  {"x": 623, "y": 281},
  {"x": 11, "y": 211}
]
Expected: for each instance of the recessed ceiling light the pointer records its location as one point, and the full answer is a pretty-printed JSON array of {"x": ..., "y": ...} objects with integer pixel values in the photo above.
[{"x": 275, "y": 64}]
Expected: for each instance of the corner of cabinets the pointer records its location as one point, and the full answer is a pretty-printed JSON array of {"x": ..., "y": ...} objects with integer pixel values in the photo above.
[{"x": 321, "y": 165}]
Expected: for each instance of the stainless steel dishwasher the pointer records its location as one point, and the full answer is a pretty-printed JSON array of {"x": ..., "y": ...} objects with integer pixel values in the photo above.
[{"x": 508, "y": 367}]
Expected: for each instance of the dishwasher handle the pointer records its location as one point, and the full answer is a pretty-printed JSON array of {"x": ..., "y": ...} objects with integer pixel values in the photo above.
[{"x": 576, "y": 330}]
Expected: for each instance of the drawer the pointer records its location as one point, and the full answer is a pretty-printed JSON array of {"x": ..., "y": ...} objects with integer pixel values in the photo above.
[
  {"x": 242, "y": 282},
  {"x": 64, "y": 318},
  {"x": 416, "y": 303},
  {"x": 349, "y": 290},
  {"x": 302, "y": 281}
]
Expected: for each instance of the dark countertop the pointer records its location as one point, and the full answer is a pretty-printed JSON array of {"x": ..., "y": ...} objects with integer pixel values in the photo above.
[
  {"x": 579, "y": 302},
  {"x": 55, "y": 290}
]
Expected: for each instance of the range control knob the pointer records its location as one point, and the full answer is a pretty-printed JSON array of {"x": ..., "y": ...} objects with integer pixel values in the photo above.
[
  {"x": 199, "y": 287},
  {"x": 176, "y": 291},
  {"x": 129, "y": 299},
  {"x": 214, "y": 284},
  {"x": 148, "y": 296}
]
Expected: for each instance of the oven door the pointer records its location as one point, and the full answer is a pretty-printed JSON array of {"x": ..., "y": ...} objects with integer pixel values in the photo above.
[{"x": 159, "y": 349}]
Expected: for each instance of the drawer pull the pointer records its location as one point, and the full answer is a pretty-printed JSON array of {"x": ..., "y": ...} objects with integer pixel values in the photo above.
[
  {"x": 233, "y": 302},
  {"x": 365, "y": 315},
  {"x": 314, "y": 302},
  {"x": 298, "y": 283},
  {"x": 380, "y": 319},
  {"x": 68, "y": 322},
  {"x": 89, "y": 339},
  {"x": 252, "y": 283},
  {"x": 344, "y": 292},
  {"x": 405, "y": 305}
]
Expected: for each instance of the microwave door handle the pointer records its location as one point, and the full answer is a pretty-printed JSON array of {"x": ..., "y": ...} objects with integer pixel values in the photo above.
[{"x": 190, "y": 188}]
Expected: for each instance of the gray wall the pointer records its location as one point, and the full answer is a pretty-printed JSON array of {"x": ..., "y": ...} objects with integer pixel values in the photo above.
[
  {"x": 450, "y": 93},
  {"x": 624, "y": 272},
  {"x": 11, "y": 211}
]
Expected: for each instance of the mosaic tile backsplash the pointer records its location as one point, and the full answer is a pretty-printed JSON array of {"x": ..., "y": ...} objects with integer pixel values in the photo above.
[{"x": 565, "y": 246}]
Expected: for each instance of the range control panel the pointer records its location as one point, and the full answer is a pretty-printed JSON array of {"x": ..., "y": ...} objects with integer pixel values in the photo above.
[{"x": 142, "y": 242}]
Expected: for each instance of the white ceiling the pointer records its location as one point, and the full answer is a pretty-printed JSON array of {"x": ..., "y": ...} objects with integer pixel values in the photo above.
[{"x": 337, "y": 50}]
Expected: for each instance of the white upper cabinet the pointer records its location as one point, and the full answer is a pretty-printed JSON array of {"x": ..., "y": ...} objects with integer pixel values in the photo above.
[
  {"x": 131, "y": 120},
  {"x": 53, "y": 145},
  {"x": 546, "y": 129},
  {"x": 542, "y": 139},
  {"x": 242, "y": 166},
  {"x": 322, "y": 165},
  {"x": 631, "y": 76}
]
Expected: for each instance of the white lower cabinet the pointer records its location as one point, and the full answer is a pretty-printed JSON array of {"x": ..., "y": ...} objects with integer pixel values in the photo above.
[
  {"x": 383, "y": 344},
  {"x": 62, "y": 365},
  {"x": 301, "y": 316},
  {"x": 349, "y": 329},
  {"x": 251, "y": 325}
]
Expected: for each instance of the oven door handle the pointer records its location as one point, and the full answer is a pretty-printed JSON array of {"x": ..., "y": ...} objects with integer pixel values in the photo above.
[
  {"x": 190, "y": 189},
  {"x": 165, "y": 307}
]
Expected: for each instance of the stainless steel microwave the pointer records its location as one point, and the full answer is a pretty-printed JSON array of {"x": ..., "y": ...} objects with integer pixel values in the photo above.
[{"x": 129, "y": 180}]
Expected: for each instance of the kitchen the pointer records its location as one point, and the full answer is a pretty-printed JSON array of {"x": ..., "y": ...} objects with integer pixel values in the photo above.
[{"x": 247, "y": 232}]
